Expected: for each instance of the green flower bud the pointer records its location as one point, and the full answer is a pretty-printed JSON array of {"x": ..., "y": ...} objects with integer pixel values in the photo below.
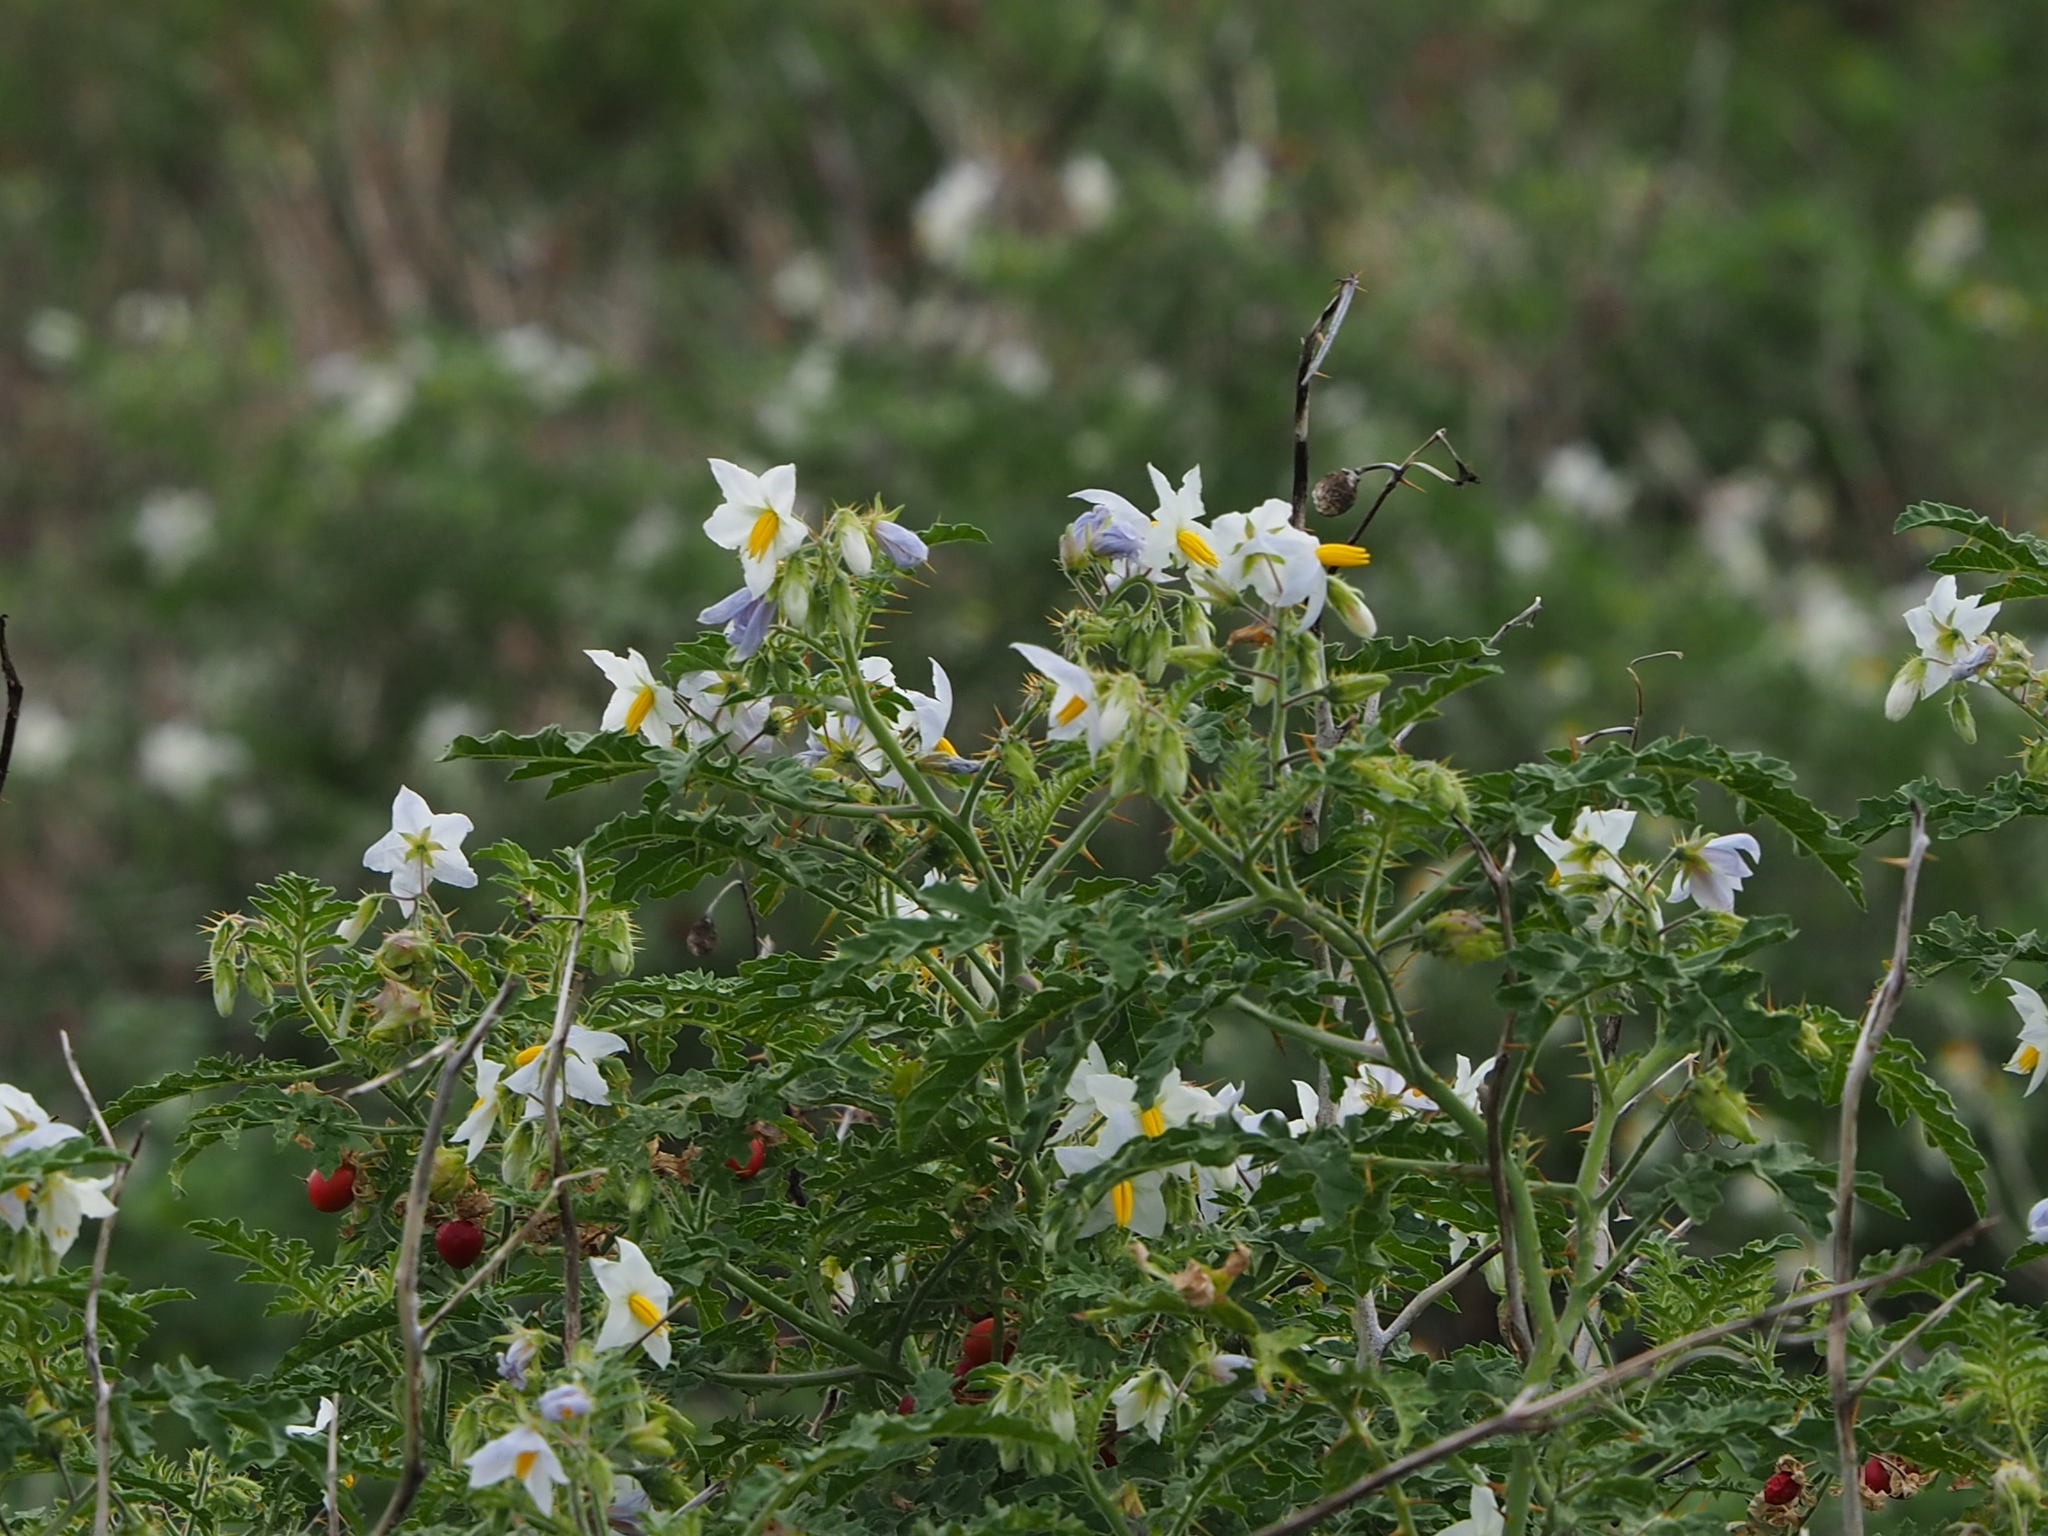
[
  {"x": 358, "y": 922},
  {"x": 1463, "y": 936},
  {"x": 1344, "y": 601},
  {"x": 1720, "y": 1107},
  {"x": 1166, "y": 761},
  {"x": 1357, "y": 687},
  {"x": 1019, "y": 765},
  {"x": 450, "y": 1176},
  {"x": 1959, "y": 715}
]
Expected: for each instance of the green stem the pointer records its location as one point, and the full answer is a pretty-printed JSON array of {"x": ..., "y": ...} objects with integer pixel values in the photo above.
[
  {"x": 1400, "y": 922},
  {"x": 810, "y": 1326}
]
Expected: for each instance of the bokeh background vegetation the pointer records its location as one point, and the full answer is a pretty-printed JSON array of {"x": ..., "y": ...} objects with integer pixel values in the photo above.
[{"x": 358, "y": 363}]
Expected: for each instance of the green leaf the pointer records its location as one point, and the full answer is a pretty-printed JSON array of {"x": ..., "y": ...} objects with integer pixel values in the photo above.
[
  {"x": 1951, "y": 813},
  {"x": 210, "y": 1072},
  {"x": 953, "y": 533},
  {"x": 1956, "y": 939},
  {"x": 2021, "y": 557},
  {"x": 573, "y": 759}
]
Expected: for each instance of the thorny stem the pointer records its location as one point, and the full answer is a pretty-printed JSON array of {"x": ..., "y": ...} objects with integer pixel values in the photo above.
[
  {"x": 1884, "y": 1006},
  {"x": 551, "y": 1100},
  {"x": 14, "y": 697},
  {"x": 1528, "y": 1413},
  {"x": 825, "y": 1333},
  {"x": 102, "y": 1388},
  {"x": 406, "y": 1272}
]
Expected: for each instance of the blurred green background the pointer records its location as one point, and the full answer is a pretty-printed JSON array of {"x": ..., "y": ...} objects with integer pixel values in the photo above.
[{"x": 358, "y": 364}]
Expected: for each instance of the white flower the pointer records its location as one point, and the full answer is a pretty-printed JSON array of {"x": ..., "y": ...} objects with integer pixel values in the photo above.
[
  {"x": 523, "y": 1454},
  {"x": 1914, "y": 681},
  {"x": 1078, "y": 709},
  {"x": 708, "y": 717},
  {"x": 1175, "y": 536},
  {"x": 420, "y": 848},
  {"x": 840, "y": 1279},
  {"x": 517, "y": 1356},
  {"x": 482, "y": 1118},
  {"x": 636, "y": 1300},
  {"x": 855, "y": 549},
  {"x": 1145, "y": 1402},
  {"x": 757, "y": 518},
  {"x": 1265, "y": 555},
  {"x": 930, "y": 714},
  {"x": 581, "y": 1079},
  {"x": 1135, "y": 1204},
  {"x": 1589, "y": 853},
  {"x": 1711, "y": 872},
  {"x": 905, "y": 549},
  {"x": 317, "y": 1430},
  {"x": 62, "y": 1202},
  {"x": 568, "y": 1401},
  {"x": 2037, "y": 1222},
  {"x": 25, "y": 1126},
  {"x": 1471, "y": 1081},
  {"x": 746, "y": 618},
  {"x": 1225, "y": 1368},
  {"x": 2031, "y": 1054},
  {"x": 1948, "y": 629},
  {"x": 1485, "y": 1519},
  {"x": 641, "y": 703}
]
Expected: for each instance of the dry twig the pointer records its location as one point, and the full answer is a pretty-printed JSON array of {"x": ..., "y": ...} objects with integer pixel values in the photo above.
[
  {"x": 102, "y": 1388},
  {"x": 14, "y": 693},
  {"x": 1876, "y": 1020},
  {"x": 406, "y": 1275},
  {"x": 551, "y": 1099}
]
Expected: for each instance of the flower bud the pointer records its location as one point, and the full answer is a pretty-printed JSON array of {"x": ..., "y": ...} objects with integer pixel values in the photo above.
[
  {"x": 1720, "y": 1107},
  {"x": 793, "y": 594},
  {"x": 450, "y": 1174},
  {"x": 1960, "y": 717},
  {"x": 854, "y": 547},
  {"x": 2018, "y": 1482},
  {"x": 1466, "y": 937},
  {"x": 1166, "y": 763},
  {"x": 353, "y": 927},
  {"x": 1344, "y": 601},
  {"x": 1357, "y": 687}
]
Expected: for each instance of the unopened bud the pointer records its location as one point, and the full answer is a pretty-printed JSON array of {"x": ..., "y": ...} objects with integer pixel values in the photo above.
[
  {"x": 357, "y": 923},
  {"x": 1466, "y": 937},
  {"x": 1720, "y": 1107},
  {"x": 1344, "y": 601},
  {"x": 2018, "y": 1482}
]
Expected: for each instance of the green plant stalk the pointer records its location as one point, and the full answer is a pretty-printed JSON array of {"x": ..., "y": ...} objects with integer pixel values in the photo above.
[{"x": 811, "y": 1327}]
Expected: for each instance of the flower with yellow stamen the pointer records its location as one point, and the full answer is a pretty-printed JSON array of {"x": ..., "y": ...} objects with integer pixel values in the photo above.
[
  {"x": 1077, "y": 707},
  {"x": 641, "y": 703},
  {"x": 2030, "y": 1056},
  {"x": 636, "y": 1301},
  {"x": 522, "y": 1454},
  {"x": 1176, "y": 535},
  {"x": 482, "y": 1119},
  {"x": 757, "y": 518},
  {"x": 580, "y": 1076},
  {"x": 421, "y": 848},
  {"x": 1135, "y": 1204}
]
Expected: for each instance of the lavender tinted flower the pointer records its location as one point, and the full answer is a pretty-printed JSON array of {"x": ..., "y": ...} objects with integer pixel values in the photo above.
[
  {"x": 568, "y": 1401},
  {"x": 517, "y": 1357},
  {"x": 747, "y": 620},
  {"x": 904, "y": 548},
  {"x": 1107, "y": 530}
]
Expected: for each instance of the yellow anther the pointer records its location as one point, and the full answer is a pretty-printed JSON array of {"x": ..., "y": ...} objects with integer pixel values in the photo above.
[
  {"x": 1152, "y": 1120},
  {"x": 1195, "y": 547},
  {"x": 946, "y": 746},
  {"x": 761, "y": 537},
  {"x": 1070, "y": 711},
  {"x": 645, "y": 1312},
  {"x": 529, "y": 1054},
  {"x": 1343, "y": 556},
  {"x": 636, "y": 712},
  {"x": 523, "y": 1463},
  {"x": 2028, "y": 1058},
  {"x": 1122, "y": 1201}
]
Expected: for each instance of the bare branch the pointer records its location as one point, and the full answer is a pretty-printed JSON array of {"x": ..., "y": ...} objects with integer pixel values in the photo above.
[
  {"x": 424, "y": 1059},
  {"x": 1526, "y": 616},
  {"x": 406, "y": 1275},
  {"x": 551, "y": 1099},
  {"x": 102, "y": 1388},
  {"x": 1884, "y": 1006},
  {"x": 1525, "y": 1413},
  {"x": 14, "y": 694},
  {"x": 1315, "y": 346},
  {"x": 334, "y": 1469}
]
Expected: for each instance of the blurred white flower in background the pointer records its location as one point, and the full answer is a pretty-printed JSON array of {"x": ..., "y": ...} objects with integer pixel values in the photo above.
[
  {"x": 371, "y": 397},
  {"x": 54, "y": 336},
  {"x": 552, "y": 371},
  {"x": 173, "y": 528},
  {"x": 1089, "y": 188},
  {"x": 182, "y": 759},
  {"x": 1020, "y": 368},
  {"x": 445, "y": 720},
  {"x": 145, "y": 319},
  {"x": 951, "y": 211},
  {"x": 1577, "y": 478},
  {"x": 1945, "y": 241},
  {"x": 1239, "y": 193},
  {"x": 43, "y": 740}
]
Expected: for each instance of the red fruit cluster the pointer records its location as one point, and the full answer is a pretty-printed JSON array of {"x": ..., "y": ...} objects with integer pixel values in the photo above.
[
  {"x": 1877, "y": 1477},
  {"x": 332, "y": 1192},
  {"x": 459, "y": 1243},
  {"x": 757, "y": 1154},
  {"x": 1783, "y": 1488}
]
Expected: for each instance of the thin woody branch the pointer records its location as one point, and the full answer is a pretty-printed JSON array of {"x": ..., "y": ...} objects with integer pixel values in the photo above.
[
  {"x": 14, "y": 697},
  {"x": 551, "y": 1100},
  {"x": 406, "y": 1276},
  {"x": 1526, "y": 1414},
  {"x": 1877, "y": 1019},
  {"x": 102, "y": 1388}
]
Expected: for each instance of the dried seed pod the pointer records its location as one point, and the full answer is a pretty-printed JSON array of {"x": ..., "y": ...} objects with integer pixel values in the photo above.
[
  {"x": 1335, "y": 493},
  {"x": 702, "y": 937}
]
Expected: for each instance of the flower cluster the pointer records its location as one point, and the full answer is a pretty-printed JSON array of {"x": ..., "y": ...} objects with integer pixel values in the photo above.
[
  {"x": 60, "y": 1202},
  {"x": 1705, "y": 870}
]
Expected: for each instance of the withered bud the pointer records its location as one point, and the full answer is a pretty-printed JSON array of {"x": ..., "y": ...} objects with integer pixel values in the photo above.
[
  {"x": 702, "y": 937},
  {"x": 1335, "y": 493}
]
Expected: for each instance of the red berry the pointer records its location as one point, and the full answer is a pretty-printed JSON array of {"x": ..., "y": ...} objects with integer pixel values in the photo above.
[
  {"x": 979, "y": 1346},
  {"x": 1877, "y": 1477},
  {"x": 757, "y": 1154},
  {"x": 1782, "y": 1488},
  {"x": 332, "y": 1192},
  {"x": 906, "y": 1404},
  {"x": 459, "y": 1243}
]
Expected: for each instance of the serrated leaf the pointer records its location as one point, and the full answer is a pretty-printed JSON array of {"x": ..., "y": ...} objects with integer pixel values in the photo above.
[
  {"x": 573, "y": 759},
  {"x": 953, "y": 533},
  {"x": 2022, "y": 557},
  {"x": 210, "y": 1072}
]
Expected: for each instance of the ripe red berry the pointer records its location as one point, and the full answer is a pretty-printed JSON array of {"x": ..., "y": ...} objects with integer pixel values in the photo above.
[
  {"x": 332, "y": 1192},
  {"x": 757, "y": 1154},
  {"x": 459, "y": 1242},
  {"x": 979, "y": 1346},
  {"x": 1782, "y": 1488},
  {"x": 906, "y": 1404},
  {"x": 1877, "y": 1477}
]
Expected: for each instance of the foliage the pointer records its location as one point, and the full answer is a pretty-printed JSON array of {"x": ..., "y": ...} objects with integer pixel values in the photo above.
[{"x": 926, "y": 1231}]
